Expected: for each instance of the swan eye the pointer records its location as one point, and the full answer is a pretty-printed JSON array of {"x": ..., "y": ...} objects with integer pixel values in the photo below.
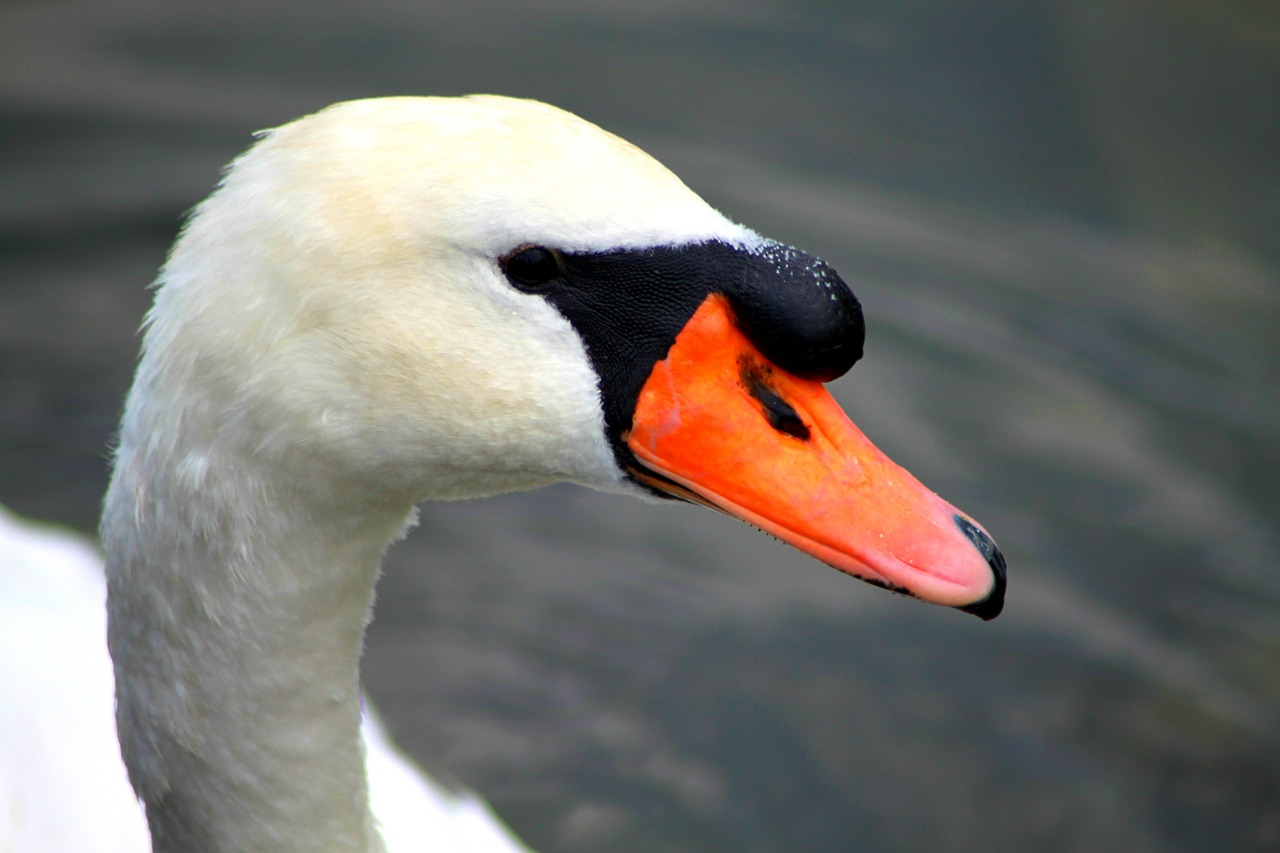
[{"x": 532, "y": 269}]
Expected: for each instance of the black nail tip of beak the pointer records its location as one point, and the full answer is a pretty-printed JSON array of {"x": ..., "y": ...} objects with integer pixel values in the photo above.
[{"x": 989, "y": 607}]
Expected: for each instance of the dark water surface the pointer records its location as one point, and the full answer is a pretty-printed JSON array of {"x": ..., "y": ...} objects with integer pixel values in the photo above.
[{"x": 1061, "y": 220}]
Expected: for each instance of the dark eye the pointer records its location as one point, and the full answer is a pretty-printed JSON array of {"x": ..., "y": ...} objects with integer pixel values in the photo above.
[{"x": 532, "y": 269}]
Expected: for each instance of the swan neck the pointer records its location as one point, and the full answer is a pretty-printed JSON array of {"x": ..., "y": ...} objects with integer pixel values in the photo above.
[{"x": 236, "y": 621}]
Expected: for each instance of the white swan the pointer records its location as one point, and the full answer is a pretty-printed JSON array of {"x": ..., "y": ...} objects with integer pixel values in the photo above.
[{"x": 417, "y": 298}]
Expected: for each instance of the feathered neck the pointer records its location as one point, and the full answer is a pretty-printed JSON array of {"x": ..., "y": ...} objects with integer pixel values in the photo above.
[{"x": 237, "y": 608}]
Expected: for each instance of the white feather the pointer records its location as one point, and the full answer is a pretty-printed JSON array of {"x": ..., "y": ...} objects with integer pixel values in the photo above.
[
  {"x": 62, "y": 785},
  {"x": 331, "y": 342}
]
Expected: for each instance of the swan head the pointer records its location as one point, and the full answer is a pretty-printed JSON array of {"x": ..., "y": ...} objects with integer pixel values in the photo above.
[{"x": 410, "y": 298}]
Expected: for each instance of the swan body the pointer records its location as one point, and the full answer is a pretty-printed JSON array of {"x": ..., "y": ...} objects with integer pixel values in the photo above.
[
  {"x": 418, "y": 298},
  {"x": 62, "y": 784}
]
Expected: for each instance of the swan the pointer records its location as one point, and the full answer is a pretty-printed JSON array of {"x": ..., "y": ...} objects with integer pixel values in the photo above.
[{"x": 398, "y": 300}]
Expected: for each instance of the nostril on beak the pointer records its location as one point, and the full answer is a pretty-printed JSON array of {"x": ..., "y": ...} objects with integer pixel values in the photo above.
[
  {"x": 777, "y": 411},
  {"x": 989, "y": 607}
]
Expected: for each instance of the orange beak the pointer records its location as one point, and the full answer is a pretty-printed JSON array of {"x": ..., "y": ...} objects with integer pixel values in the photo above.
[{"x": 718, "y": 424}]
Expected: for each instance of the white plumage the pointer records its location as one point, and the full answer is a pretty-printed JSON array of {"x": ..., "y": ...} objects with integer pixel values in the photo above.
[
  {"x": 62, "y": 785},
  {"x": 335, "y": 339},
  {"x": 330, "y": 343}
]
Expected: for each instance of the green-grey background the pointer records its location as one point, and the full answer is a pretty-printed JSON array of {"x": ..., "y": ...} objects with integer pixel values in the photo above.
[{"x": 1061, "y": 219}]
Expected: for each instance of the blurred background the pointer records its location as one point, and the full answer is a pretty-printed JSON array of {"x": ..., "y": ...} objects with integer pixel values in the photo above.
[{"x": 1061, "y": 219}]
